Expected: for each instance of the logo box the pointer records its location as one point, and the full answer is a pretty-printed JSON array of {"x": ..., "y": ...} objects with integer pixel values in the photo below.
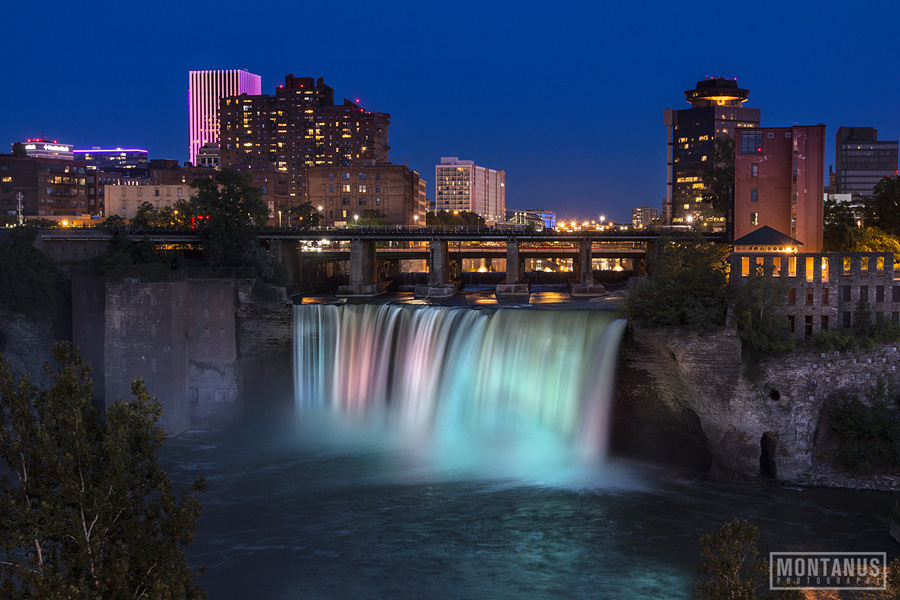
[{"x": 827, "y": 570}]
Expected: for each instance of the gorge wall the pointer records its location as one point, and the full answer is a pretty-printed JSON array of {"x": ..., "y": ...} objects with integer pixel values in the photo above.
[{"x": 689, "y": 399}]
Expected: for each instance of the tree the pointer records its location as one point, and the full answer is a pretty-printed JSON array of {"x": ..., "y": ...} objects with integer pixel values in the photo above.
[
  {"x": 369, "y": 218},
  {"x": 85, "y": 509},
  {"x": 31, "y": 283},
  {"x": 840, "y": 224},
  {"x": 686, "y": 285},
  {"x": 885, "y": 205},
  {"x": 454, "y": 218},
  {"x": 756, "y": 304},
  {"x": 306, "y": 214},
  {"x": 227, "y": 210},
  {"x": 731, "y": 567},
  {"x": 145, "y": 216},
  {"x": 718, "y": 175}
]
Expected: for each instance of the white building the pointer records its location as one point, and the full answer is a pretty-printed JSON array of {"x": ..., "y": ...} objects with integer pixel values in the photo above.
[
  {"x": 205, "y": 89},
  {"x": 463, "y": 185},
  {"x": 124, "y": 200}
]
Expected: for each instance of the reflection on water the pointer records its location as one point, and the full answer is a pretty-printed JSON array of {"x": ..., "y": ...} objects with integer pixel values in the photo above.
[{"x": 285, "y": 519}]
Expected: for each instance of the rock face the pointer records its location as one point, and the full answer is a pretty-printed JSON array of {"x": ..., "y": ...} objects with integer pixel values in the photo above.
[
  {"x": 688, "y": 398},
  {"x": 27, "y": 344}
]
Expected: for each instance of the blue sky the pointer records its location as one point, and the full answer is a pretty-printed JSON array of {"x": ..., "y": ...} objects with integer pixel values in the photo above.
[{"x": 566, "y": 97}]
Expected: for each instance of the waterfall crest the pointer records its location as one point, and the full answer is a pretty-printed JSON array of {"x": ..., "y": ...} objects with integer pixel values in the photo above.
[{"x": 451, "y": 375}]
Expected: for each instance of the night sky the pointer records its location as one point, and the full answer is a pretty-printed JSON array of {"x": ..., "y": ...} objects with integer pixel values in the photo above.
[{"x": 566, "y": 97}]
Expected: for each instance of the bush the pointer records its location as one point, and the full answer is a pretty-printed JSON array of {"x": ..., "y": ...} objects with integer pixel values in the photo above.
[{"x": 868, "y": 432}]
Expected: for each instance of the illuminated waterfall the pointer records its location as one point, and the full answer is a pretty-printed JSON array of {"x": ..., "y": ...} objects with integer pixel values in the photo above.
[{"x": 434, "y": 374}]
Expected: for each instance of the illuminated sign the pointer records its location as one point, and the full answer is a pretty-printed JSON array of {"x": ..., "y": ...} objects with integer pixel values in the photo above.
[{"x": 56, "y": 148}]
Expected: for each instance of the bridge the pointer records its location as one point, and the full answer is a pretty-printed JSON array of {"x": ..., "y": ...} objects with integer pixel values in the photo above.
[{"x": 368, "y": 249}]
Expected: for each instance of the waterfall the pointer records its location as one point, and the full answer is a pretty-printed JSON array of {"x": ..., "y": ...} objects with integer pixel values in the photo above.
[{"x": 458, "y": 376}]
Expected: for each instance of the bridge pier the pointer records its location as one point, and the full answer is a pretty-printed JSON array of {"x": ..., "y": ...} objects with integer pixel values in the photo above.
[
  {"x": 439, "y": 283},
  {"x": 584, "y": 285},
  {"x": 515, "y": 286},
  {"x": 363, "y": 271}
]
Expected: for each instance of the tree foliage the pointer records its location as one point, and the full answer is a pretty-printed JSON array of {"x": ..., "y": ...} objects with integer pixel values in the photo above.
[
  {"x": 307, "y": 215},
  {"x": 839, "y": 226},
  {"x": 369, "y": 218},
  {"x": 756, "y": 304},
  {"x": 31, "y": 283},
  {"x": 227, "y": 211},
  {"x": 454, "y": 218},
  {"x": 885, "y": 205},
  {"x": 718, "y": 175},
  {"x": 85, "y": 509},
  {"x": 686, "y": 285},
  {"x": 731, "y": 567}
]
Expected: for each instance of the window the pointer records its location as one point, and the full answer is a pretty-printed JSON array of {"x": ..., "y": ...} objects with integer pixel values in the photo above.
[
  {"x": 845, "y": 293},
  {"x": 824, "y": 269},
  {"x": 846, "y": 265},
  {"x": 754, "y": 218},
  {"x": 810, "y": 268},
  {"x": 745, "y": 266},
  {"x": 791, "y": 323},
  {"x": 751, "y": 142},
  {"x": 809, "y": 296},
  {"x": 362, "y": 176},
  {"x": 826, "y": 295},
  {"x": 879, "y": 293},
  {"x": 879, "y": 265},
  {"x": 156, "y": 192},
  {"x": 345, "y": 188},
  {"x": 377, "y": 176},
  {"x": 792, "y": 266},
  {"x": 808, "y": 325},
  {"x": 179, "y": 192},
  {"x": 824, "y": 322},
  {"x": 345, "y": 201},
  {"x": 331, "y": 176},
  {"x": 776, "y": 266},
  {"x": 792, "y": 296},
  {"x": 362, "y": 188},
  {"x": 754, "y": 195},
  {"x": 847, "y": 318},
  {"x": 377, "y": 201},
  {"x": 361, "y": 202},
  {"x": 346, "y": 176},
  {"x": 754, "y": 170},
  {"x": 378, "y": 189},
  {"x": 895, "y": 293},
  {"x": 864, "y": 264}
]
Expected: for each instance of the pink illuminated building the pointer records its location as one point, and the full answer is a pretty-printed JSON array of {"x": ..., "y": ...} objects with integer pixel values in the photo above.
[{"x": 205, "y": 89}]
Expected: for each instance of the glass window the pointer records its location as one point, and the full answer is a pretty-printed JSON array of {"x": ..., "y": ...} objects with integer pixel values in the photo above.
[
  {"x": 826, "y": 294},
  {"x": 745, "y": 266},
  {"x": 754, "y": 170},
  {"x": 754, "y": 218},
  {"x": 751, "y": 142},
  {"x": 810, "y": 268},
  {"x": 362, "y": 176},
  {"x": 810, "y": 295},
  {"x": 754, "y": 195}
]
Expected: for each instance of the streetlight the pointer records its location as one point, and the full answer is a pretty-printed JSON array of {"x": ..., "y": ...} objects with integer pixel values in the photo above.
[{"x": 279, "y": 219}]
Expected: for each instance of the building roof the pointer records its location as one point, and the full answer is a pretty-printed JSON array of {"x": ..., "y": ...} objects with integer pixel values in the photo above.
[{"x": 766, "y": 236}]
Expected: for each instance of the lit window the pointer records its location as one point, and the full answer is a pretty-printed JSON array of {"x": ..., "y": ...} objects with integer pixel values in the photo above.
[
  {"x": 754, "y": 218},
  {"x": 754, "y": 170}
]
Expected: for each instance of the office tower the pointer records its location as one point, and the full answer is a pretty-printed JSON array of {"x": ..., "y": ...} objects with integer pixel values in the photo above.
[
  {"x": 205, "y": 89},
  {"x": 779, "y": 177},
  {"x": 862, "y": 160},
  {"x": 716, "y": 110},
  {"x": 463, "y": 185},
  {"x": 299, "y": 127}
]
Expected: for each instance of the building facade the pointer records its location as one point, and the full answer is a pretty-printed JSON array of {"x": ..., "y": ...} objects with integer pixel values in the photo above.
[
  {"x": 643, "y": 216},
  {"x": 862, "y": 160},
  {"x": 463, "y": 185},
  {"x": 129, "y": 161},
  {"x": 779, "y": 182},
  {"x": 300, "y": 127},
  {"x": 824, "y": 289},
  {"x": 716, "y": 110},
  {"x": 205, "y": 90},
  {"x": 340, "y": 194},
  {"x": 124, "y": 200},
  {"x": 50, "y": 188}
]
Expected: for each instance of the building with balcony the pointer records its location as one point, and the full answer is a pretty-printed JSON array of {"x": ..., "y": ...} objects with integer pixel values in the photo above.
[{"x": 716, "y": 110}]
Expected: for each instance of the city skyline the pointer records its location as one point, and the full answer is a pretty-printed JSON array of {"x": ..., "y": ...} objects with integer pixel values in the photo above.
[{"x": 569, "y": 103}]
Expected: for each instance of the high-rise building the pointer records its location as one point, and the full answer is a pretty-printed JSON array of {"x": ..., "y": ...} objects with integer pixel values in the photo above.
[
  {"x": 299, "y": 127},
  {"x": 205, "y": 89},
  {"x": 716, "y": 110},
  {"x": 463, "y": 185},
  {"x": 779, "y": 177},
  {"x": 643, "y": 216},
  {"x": 862, "y": 160}
]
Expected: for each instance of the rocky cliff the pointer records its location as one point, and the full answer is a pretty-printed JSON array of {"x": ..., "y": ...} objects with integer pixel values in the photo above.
[{"x": 690, "y": 399}]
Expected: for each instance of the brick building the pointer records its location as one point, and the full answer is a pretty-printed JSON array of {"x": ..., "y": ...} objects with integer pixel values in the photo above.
[
  {"x": 778, "y": 182},
  {"x": 825, "y": 288},
  {"x": 394, "y": 190},
  {"x": 51, "y": 188},
  {"x": 300, "y": 127}
]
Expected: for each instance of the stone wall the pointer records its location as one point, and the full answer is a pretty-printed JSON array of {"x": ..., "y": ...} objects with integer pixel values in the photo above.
[
  {"x": 684, "y": 396},
  {"x": 27, "y": 344}
]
